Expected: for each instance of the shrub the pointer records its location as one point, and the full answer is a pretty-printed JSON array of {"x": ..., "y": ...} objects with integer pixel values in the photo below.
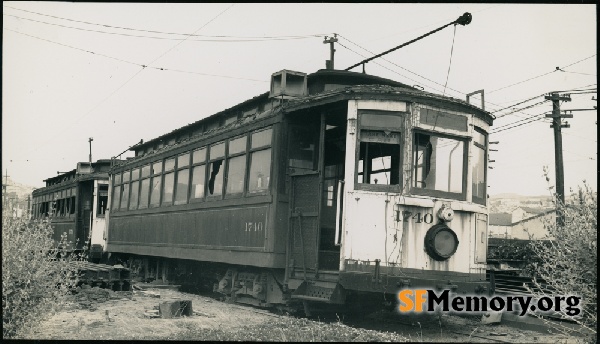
[
  {"x": 35, "y": 274},
  {"x": 569, "y": 263}
]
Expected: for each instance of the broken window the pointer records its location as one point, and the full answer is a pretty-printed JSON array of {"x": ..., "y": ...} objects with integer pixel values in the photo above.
[
  {"x": 379, "y": 163},
  {"x": 380, "y": 146},
  {"x": 215, "y": 178},
  {"x": 479, "y": 166},
  {"x": 438, "y": 163}
]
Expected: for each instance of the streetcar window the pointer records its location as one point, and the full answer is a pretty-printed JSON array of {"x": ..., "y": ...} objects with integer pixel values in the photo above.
[
  {"x": 144, "y": 188},
  {"x": 102, "y": 199},
  {"x": 126, "y": 176},
  {"x": 133, "y": 202},
  {"x": 236, "y": 162},
  {"x": 181, "y": 191},
  {"x": 198, "y": 181},
  {"x": 303, "y": 147},
  {"x": 379, "y": 163},
  {"x": 167, "y": 196},
  {"x": 261, "y": 138},
  {"x": 169, "y": 164},
  {"x": 183, "y": 160},
  {"x": 116, "y": 192},
  {"x": 124, "y": 196},
  {"x": 260, "y": 170},
  {"x": 237, "y": 145},
  {"x": 217, "y": 150},
  {"x": 438, "y": 163},
  {"x": 479, "y": 166},
  {"x": 199, "y": 156},
  {"x": 380, "y": 158},
  {"x": 145, "y": 171},
  {"x": 157, "y": 167},
  {"x": 235, "y": 174},
  {"x": 155, "y": 191}
]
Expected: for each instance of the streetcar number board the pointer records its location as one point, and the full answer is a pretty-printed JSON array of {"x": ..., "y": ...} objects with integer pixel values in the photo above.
[{"x": 418, "y": 217}]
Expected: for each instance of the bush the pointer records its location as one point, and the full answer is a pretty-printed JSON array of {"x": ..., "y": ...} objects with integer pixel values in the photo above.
[
  {"x": 569, "y": 263},
  {"x": 35, "y": 275}
]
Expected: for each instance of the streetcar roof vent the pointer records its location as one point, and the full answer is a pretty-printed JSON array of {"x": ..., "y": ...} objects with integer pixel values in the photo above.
[{"x": 287, "y": 84}]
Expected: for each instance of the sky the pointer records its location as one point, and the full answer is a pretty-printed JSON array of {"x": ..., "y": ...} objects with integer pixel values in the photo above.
[{"x": 121, "y": 72}]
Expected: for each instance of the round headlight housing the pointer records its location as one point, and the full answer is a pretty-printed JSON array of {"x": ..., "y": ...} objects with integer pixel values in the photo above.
[{"x": 441, "y": 242}]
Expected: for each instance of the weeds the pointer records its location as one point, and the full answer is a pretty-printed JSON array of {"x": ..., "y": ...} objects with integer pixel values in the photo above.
[
  {"x": 36, "y": 273},
  {"x": 569, "y": 262}
]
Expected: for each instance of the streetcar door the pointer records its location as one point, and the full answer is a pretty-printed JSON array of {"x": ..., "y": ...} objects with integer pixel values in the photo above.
[
  {"x": 305, "y": 192},
  {"x": 316, "y": 168}
]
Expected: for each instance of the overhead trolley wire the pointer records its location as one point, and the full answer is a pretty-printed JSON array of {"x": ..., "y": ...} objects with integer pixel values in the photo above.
[
  {"x": 541, "y": 75},
  {"x": 131, "y": 62},
  {"x": 137, "y": 73},
  {"x": 238, "y": 40}
]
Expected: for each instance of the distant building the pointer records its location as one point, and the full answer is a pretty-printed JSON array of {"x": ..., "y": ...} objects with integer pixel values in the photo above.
[
  {"x": 522, "y": 223},
  {"x": 533, "y": 227}
]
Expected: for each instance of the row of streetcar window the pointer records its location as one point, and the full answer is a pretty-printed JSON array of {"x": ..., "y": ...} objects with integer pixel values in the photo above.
[
  {"x": 438, "y": 160},
  {"x": 233, "y": 167},
  {"x": 60, "y": 203}
]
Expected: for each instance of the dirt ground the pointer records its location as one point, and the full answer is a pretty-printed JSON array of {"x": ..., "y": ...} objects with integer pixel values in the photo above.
[{"x": 98, "y": 315}]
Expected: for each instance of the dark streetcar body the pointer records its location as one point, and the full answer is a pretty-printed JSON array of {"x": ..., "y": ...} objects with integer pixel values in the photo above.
[
  {"x": 76, "y": 203},
  {"x": 329, "y": 186}
]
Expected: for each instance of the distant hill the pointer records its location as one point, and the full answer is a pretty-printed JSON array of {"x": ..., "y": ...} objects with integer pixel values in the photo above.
[
  {"x": 517, "y": 196},
  {"x": 17, "y": 192}
]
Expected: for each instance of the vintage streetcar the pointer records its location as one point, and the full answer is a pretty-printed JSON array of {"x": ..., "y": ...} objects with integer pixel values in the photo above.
[
  {"x": 76, "y": 201},
  {"x": 329, "y": 188}
]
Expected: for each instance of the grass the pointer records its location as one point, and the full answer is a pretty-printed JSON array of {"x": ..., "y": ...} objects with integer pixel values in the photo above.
[{"x": 288, "y": 329}]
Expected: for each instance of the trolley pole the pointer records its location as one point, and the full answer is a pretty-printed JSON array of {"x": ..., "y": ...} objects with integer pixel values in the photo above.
[
  {"x": 558, "y": 151},
  {"x": 90, "y": 141}
]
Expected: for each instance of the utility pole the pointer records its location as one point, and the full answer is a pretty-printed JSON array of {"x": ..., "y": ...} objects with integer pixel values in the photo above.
[
  {"x": 90, "y": 141},
  {"x": 558, "y": 151},
  {"x": 331, "y": 41},
  {"x": 4, "y": 188}
]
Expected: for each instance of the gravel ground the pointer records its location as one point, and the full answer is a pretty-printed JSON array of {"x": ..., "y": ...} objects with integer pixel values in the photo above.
[{"x": 95, "y": 314}]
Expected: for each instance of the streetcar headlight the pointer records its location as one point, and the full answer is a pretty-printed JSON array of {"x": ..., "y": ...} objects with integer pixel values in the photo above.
[{"x": 441, "y": 242}]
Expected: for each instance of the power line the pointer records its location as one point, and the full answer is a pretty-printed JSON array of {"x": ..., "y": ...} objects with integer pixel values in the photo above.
[
  {"x": 136, "y": 74},
  {"x": 539, "y": 76},
  {"x": 519, "y": 110},
  {"x": 170, "y": 38},
  {"x": 131, "y": 62},
  {"x": 159, "y": 32}
]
